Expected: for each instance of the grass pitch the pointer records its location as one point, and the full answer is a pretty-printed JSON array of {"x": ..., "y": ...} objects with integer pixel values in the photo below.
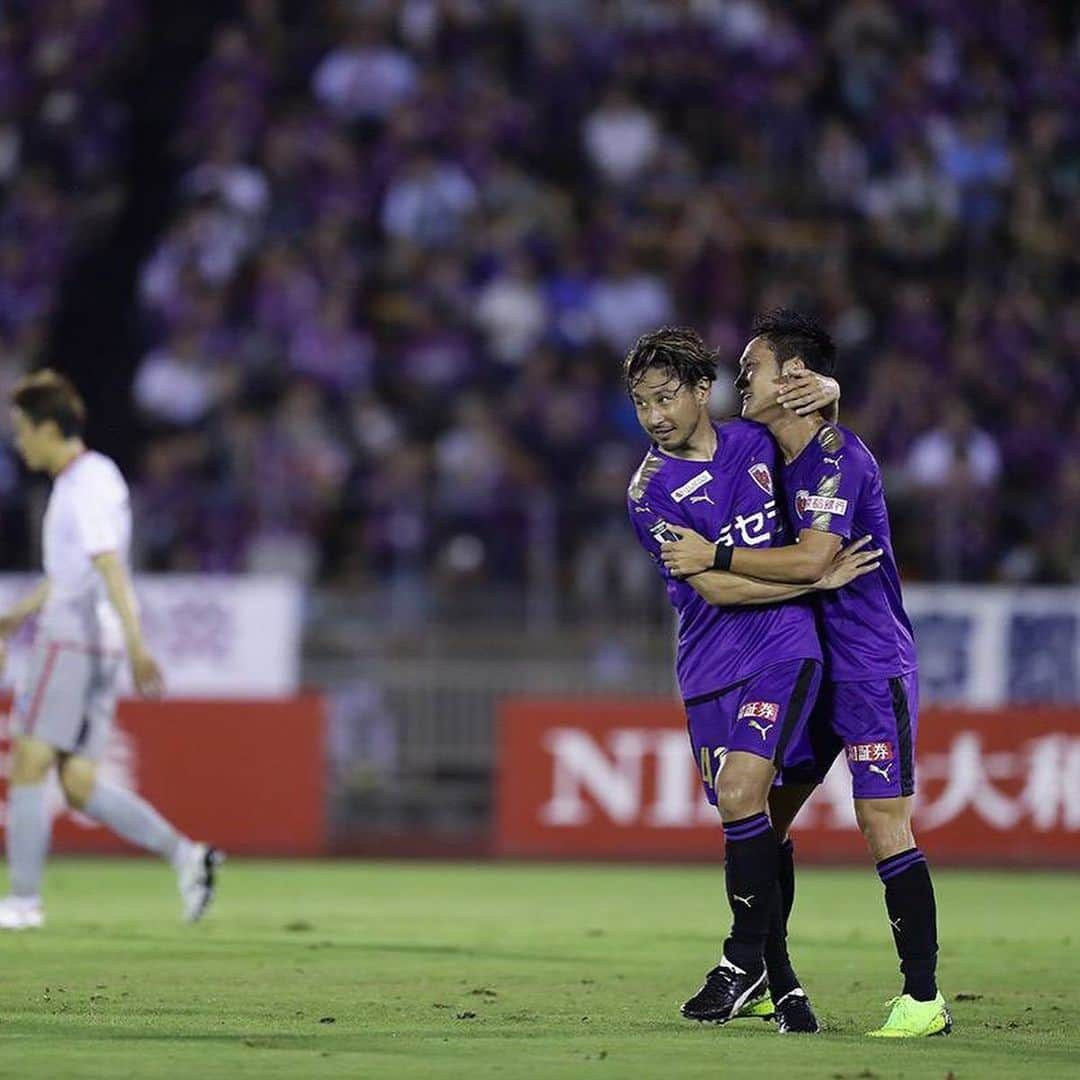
[{"x": 313, "y": 970}]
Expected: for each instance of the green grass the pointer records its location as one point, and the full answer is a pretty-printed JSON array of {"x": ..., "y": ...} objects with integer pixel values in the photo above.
[{"x": 511, "y": 971}]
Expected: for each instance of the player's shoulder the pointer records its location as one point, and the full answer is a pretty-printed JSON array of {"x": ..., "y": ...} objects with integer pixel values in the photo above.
[
  {"x": 652, "y": 465},
  {"x": 745, "y": 437},
  {"x": 838, "y": 443},
  {"x": 97, "y": 468}
]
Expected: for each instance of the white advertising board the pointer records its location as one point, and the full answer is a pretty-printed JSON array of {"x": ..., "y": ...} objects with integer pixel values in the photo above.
[{"x": 215, "y": 636}]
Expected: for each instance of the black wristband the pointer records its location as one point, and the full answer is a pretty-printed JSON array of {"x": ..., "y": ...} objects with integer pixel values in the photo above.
[{"x": 722, "y": 558}]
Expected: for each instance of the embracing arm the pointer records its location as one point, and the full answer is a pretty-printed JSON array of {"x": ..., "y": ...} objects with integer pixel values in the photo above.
[
  {"x": 806, "y": 392},
  {"x": 723, "y": 589},
  {"x": 797, "y": 564}
]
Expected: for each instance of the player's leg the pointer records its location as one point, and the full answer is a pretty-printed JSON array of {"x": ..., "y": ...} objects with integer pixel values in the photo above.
[
  {"x": 46, "y": 719},
  {"x": 882, "y": 721},
  {"x": 751, "y": 861},
  {"x": 808, "y": 760},
  {"x": 768, "y": 712},
  {"x": 784, "y": 805},
  {"x": 124, "y": 812},
  {"x": 28, "y": 828},
  {"x": 709, "y": 728}
]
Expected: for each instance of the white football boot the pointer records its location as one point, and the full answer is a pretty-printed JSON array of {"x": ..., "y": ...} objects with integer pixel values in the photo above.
[
  {"x": 195, "y": 878},
  {"x": 21, "y": 913}
]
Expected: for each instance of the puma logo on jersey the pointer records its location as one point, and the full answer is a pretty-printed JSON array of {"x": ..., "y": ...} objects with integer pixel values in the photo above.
[
  {"x": 704, "y": 497},
  {"x": 763, "y": 728},
  {"x": 881, "y": 770},
  {"x": 743, "y": 899}
]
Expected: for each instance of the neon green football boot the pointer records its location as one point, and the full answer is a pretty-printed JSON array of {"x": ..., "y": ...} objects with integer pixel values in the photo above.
[
  {"x": 759, "y": 1008},
  {"x": 911, "y": 1019}
]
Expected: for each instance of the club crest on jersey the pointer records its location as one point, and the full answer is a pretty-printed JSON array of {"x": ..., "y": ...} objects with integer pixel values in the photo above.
[
  {"x": 870, "y": 751},
  {"x": 818, "y": 504},
  {"x": 691, "y": 485},
  {"x": 761, "y": 474},
  {"x": 760, "y": 710}
]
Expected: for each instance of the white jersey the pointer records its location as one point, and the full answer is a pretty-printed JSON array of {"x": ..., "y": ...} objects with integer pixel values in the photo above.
[{"x": 89, "y": 513}]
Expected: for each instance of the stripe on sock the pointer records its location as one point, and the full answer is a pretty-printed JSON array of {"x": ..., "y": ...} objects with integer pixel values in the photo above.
[
  {"x": 897, "y": 864},
  {"x": 747, "y": 828}
]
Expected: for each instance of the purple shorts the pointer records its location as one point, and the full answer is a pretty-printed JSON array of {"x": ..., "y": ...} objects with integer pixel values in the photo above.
[
  {"x": 874, "y": 723},
  {"x": 765, "y": 715}
]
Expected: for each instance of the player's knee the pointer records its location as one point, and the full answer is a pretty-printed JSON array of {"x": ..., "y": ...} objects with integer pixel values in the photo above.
[
  {"x": 742, "y": 788},
  {"x": 31, "y": 761},
  {"x": 738, "y": 798},
  {"x": 885, "y": 825},
  {"x": 77, "y": 778}
]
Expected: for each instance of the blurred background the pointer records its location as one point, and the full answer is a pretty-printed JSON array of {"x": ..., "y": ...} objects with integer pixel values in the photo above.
[{"x": 347, "y": 285}]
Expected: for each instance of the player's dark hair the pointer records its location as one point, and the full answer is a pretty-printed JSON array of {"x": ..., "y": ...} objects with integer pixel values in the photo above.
[
  {"x": 674, "y": 348},
  {"x": 793, "y": 333},
  {"x": 47, "y": 395}
]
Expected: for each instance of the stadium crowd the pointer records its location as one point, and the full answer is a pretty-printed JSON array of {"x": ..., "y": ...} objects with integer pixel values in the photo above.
[
  {"x": 63, "y": 139},
  {"x": 411, "y": 241}
]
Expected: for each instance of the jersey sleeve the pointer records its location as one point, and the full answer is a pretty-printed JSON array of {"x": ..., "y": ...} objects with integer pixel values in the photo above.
[
  {"x": 97, "y": 519},
  {"x": 832, "y": 494}
]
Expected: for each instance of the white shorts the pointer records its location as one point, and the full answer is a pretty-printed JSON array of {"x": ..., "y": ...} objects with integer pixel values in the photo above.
[{"x": 68, "y": 696}]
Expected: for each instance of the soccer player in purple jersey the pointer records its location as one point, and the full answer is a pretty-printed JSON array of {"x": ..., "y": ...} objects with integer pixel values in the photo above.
[
  {"x": 748, "y": 662},
  {"x": 868, "y": 705}
]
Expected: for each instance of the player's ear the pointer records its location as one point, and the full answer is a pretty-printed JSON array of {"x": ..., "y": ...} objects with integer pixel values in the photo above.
[
  {"x": 703, "y": 390},
  {"x": 794, "y": 366}
]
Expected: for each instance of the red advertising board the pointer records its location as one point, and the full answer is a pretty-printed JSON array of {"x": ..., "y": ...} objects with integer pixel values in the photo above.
[
  {"x": 611, "y": 778},
  {"x": 248, "y": 776}
]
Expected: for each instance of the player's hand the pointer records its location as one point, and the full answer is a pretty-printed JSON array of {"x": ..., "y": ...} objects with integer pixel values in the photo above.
[
  {"x": 147, "y": 675},
  {"x": 691, "y": 555},
  {"x": 807, "y": 392},
  {"x": 854, "y": 561},
  {"x": 8, "y": 626}
]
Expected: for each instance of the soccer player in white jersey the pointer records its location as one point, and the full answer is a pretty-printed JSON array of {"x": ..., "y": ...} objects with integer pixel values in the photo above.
[{"x": 89, "y": 622}]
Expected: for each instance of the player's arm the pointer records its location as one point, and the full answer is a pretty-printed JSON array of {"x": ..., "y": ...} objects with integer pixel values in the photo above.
[
  {"x": 144, "y": 667},
  {"x": 795, "y": 564},
  {"x": 806, "y": 392},
  {"x": 29, "y": 605},
  {"x": 722, "y": 588},
  {"x": 799, "y": 564}
]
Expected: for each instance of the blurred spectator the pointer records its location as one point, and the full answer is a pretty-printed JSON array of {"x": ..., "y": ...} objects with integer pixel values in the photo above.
[
  {"x": 955, "y": 456},
  {"x": 621, "y": 138},
  {"x": 365, "y": 77},
  {"x": 626, "y": 302},
  {"x": 427, "y": 204},
  {"x": 177, "y": 384}
]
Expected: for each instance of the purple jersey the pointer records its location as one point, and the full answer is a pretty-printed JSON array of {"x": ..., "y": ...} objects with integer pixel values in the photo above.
[
  {"x": 834, "y": 485},
  {"x": 729, "y": 500}
]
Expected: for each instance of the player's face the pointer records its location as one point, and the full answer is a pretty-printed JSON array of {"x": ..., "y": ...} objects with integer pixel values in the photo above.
[
  {"x": 758, "y": 381},
  {"x": 667, "y": 409},
  {"x": 31, "y": 440}
]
